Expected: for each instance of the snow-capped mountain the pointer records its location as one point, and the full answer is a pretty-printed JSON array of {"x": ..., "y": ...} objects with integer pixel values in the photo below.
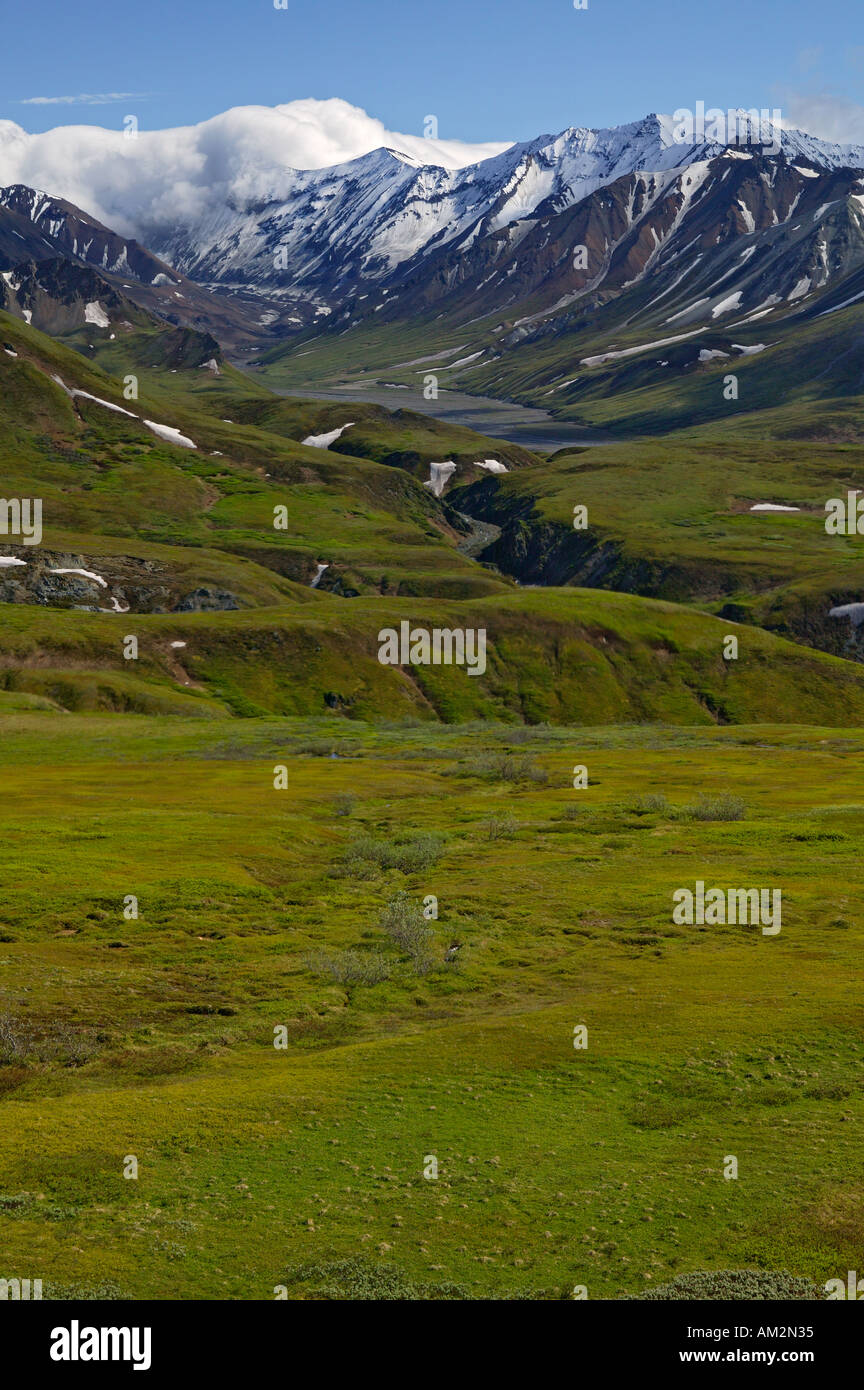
[
  {"x": 38, "y": 228},
  {"x": 335, "y": 231},
  {"x": 734, "y": 233},
  {"x": 545, "y": 235}
]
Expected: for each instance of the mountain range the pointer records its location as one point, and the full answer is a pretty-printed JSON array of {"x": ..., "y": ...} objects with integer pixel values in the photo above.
[
  {"x": 377, "y": 219},
  {"x": 571, "y": 267}
]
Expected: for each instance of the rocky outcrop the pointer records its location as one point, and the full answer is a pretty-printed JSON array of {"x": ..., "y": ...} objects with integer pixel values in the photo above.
[{"x": 102, "y": 583}]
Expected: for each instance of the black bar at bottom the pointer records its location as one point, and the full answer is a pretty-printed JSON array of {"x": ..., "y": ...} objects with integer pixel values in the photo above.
[{"x": 83, "y": 1339}]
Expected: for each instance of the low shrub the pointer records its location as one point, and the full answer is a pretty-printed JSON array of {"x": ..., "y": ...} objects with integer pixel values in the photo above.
[
  {"x": 504, "y": 767},
  {"x": 404, "y": 923},
  {"x": 715, "y": 808},
  {"x": 350, "y": 967},
  {"x": 734, "y": 1285},
  {"x": 650, "y": 804},
  {"x": 26, "y": 1042},
  {"x": 358, "y": 1280},
  {"x": 367, "y": 856},
  {"x": 500, "y": 827}
]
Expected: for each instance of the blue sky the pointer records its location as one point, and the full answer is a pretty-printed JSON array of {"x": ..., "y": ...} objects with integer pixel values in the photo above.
[{"x": 489, "y": 69}]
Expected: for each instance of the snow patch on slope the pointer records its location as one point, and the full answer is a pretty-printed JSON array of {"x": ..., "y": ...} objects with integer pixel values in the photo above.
[
  {"x": 95, "y": 314},
  {"x": 323, "y": 441},
  {"x": 173, "y": 436},
  {"x": 439, "y": 475}
]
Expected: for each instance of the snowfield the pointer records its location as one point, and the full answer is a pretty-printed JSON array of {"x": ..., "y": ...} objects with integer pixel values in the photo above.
[
  {"x": 85, "y": 574},
  {"x": 323, "y": 441},
  {"x": 727, "y": 305},
  {"x": 73, "y": 393},
  {"x": 439, "y": 475},
  {"x": 168, "y": 433},
  {"x": 95, "y": 314},
  {"x": 631, "y": 352}
]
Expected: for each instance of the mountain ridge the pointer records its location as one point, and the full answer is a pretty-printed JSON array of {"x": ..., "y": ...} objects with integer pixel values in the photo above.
[
  {"x": 563, "y": 259},
  {"x": 378, "y": 229},
  {"x": 390, "y": 199}
]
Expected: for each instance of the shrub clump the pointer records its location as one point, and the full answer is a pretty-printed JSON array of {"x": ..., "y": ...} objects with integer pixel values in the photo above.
[
  {"x": 350, "y": 967},
  {"x": 650, "y": 804},
  {"x": 716, "y": 808},
  {"x": 407, "y": 928},
  {"x": 23, "y": 1042},
  {"x": 500, "y": 827},
  {"x": 733, "y": 1285},
  {"x": 358, "y": 1280},
  {"x": 73, "y": 1293},
  {"x": 504, "y": 767},
  {"x": 365, "y": 857}
]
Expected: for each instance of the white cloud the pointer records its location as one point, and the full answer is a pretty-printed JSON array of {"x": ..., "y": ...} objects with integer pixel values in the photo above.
[
  {"x": 84, "y": 99},
  {"x": 244, "y": 154},
  {"x": 826, "y": 116}
]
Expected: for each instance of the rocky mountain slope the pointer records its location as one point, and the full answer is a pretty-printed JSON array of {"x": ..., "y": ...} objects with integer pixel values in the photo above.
[
  {"x": 36, "y": 227},
  {"x": 386, "y": 234},
  {"x": 361, "y": 224}
]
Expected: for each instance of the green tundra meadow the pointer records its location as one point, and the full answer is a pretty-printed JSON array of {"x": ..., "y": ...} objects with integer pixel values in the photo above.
[{"x": 262, "y": 918}]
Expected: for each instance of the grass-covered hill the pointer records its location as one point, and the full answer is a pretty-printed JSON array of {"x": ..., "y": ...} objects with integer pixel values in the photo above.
[
  {"x": 564, "y": 656},
  {"x": 103, "y": 474}
]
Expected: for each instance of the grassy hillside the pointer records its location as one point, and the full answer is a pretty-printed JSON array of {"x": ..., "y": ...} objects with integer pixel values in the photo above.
[
  {"x": 188, "y": 529},
  {"x": 563, "y": 656},
  {"x": 665, "y": 387},
  {"x": 100, "y": 471}
]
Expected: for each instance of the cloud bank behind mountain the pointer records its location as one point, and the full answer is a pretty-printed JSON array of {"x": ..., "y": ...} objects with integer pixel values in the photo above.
[
  {"x": 238, "y": 158},
  {"x": 244, "y": 158}
]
